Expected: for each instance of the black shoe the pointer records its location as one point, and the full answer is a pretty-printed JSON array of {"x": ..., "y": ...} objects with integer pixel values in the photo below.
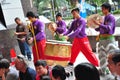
[
  {"x": 69, "y": 69},
  {"x": 70, "y": 64}
]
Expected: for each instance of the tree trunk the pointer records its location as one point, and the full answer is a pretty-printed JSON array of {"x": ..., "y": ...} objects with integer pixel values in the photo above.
[{"x": 73, "y": 2}]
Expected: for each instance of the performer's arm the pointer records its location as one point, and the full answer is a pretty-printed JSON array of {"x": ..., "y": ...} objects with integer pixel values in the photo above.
[
  {"x": 109, "y": 26},
  {"x": 69, "y": 30},
  {"x": 76, "y": 32}
]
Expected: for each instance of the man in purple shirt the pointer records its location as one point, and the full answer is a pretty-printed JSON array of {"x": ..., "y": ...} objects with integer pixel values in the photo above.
[
  {"x": 80, "y": 42},
  {"x": 39, "y": 37},
  {"x": 61, "y": 27},
  {"x": 106, "y": 38}
]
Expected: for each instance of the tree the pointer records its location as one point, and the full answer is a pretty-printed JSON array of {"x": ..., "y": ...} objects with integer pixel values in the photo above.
[
  {"x": 97, "y": 2},
  {"x": 51, "y": 5},
  {"x": 72, "y": 2}
]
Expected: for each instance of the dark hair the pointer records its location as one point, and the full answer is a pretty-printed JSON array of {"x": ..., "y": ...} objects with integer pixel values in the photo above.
[
  {"x": 1, "y": 65},
  {"x": 40, "y": 63},
  {"x": 107, "y": 6},
  {"x": 23, "y": 60},
  {"x": 58, "y": 15},
  {"x": 37, "y": 16},
  {"x": 76, "y": 9},
  {"x": 17, "y": 18},
  {"x": 86, "y": 71},
  {"x": 59, "y": 71},
  {"x": 6, "y": 63},
  {"x": 30, "y": 14},
  {"x": 115, "y": 56}
]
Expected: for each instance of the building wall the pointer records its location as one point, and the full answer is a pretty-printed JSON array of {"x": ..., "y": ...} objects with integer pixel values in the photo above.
[
  {"x": 12, "y": 9},
  {"x": 28, "y": 6},
  {"x": 7, "y": 42}
]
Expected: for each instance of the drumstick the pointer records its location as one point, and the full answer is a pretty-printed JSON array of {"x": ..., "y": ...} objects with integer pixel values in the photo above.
[{"x": 32, "y": 30}]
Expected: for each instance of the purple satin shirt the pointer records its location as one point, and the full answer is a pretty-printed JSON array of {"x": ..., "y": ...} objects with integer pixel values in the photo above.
[
  {"x": 39, "y": 30},
  {"x": 77, "y": 29},
  {"x": 108, "y": 27},
  {"x": 61, "y": 27}
]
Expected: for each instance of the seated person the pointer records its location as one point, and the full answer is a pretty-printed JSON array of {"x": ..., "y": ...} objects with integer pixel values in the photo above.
[
  {"x": 2, "y": 71},
  {"x": 25, "y": 72},
  {"x": 42, "y": 70},
  {"x": 86, "y": 71},
  {"x": 11, "y": 72},
  {"x": 58, "y": 73},
  {"x": 114, "y": 63}
]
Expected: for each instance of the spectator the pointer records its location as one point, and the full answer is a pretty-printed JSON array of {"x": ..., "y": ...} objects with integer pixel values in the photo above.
[
  {"x": 114, "y": 63},
  {"x": 42, "y": 70},
  {"x": 21, "y": 32},
  {"x": 86, "y": 71},
  {"x": 11, "y": 73},
  {"x": 2, "y": 71},
  {"x": 25, "y": 72},
  {"x": 58, "y": 73}
]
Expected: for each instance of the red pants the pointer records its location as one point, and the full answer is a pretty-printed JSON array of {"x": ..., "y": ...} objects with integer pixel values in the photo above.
[
  {"x": 82, "y": 44},
  {"x": 41, "y": 49}
]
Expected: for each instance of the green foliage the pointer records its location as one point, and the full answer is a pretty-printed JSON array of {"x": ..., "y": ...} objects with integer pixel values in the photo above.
[
  {"x": 98, "y": 2},
  {"x": 68, "y": 18},
  {"x": 44, "y": 4},
  {"x": 116, "y": 12}
]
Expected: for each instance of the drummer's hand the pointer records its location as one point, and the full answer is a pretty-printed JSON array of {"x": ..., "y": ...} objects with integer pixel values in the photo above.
[
  {"x": 34, "y": 37},
  {"x": 60, "y": 35},
  {"x": 66, "y": 37},
  {"x": 30, "y": 41},
  {"x": 23, "y": 39}
]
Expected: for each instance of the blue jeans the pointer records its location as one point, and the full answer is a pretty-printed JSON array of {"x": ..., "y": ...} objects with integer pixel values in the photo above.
[{"x": 24, "y": 48}]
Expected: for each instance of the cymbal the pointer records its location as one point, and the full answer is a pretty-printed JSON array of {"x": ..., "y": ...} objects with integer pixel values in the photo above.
[
  {"x": 52, "y": 26},
  {"x": 92, "y": 18}
]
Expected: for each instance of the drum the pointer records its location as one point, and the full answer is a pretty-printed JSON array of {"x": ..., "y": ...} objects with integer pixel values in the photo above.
[
  {"x": 92, "y": 18},
  {"x": 58, "y": 52}
]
